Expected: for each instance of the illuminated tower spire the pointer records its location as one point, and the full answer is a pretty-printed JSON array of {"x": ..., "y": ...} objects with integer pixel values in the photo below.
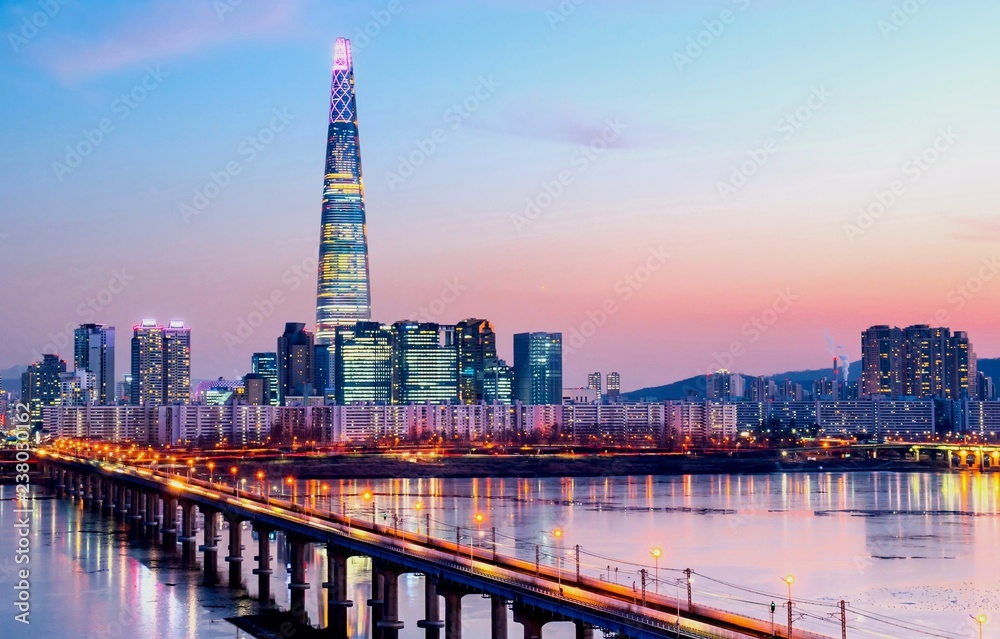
[{"x": 343, "y": 296}]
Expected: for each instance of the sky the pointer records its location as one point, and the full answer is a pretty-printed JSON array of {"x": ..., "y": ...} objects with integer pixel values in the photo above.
[{"x": 675, "y": 186}]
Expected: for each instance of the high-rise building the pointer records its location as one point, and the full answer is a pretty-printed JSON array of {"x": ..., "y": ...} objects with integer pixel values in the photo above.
[
  {"x": 594, "y": 382},
  {"x": 295, "y": 362},
  {"x": 538, "y": 368},
  {"x": 147, "y": 364},
  {"x": 882, "y": 361},
  {"x": 425, "y": 366},
  {"x": 363, "y": 363},
  {"x": 986, "y": 391},
  {"x": 321, "y": 369},
  {"x": 257, "y": 389},
  {"x": 343, "y": 293},
  {"x": 94, "y": 352},
  {"x": 614, "y": 387},
  {"x": 78, "y": 388},
  {"x": 41, "y": 386},
  {"x": 176, "y": 363},
  {"x": 123, "y": 390},
  {"x": 498, "y": 382},
  {"x": 919, "y": 361},
  {"x": 476, "y": 344},
  {"x": 161, "y": 364},
  {"x": 266, "y": 365}
]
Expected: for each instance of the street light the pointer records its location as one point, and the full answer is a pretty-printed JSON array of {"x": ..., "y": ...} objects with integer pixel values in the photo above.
[
  {"x": 479, "y": 531},
  {"x": 260, "y": 481},
  {"x": 789, "y": 579},
  {"x": 557, "y": 533},
  {"x": 981, "y": 618},
  {"x": 657, "y": 553},
  {"x": 368, "y": 496},
  {"x": 211, "y": 468}
]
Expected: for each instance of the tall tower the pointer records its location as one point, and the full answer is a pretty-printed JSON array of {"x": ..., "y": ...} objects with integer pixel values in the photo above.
[
  {"x": 342, "y": 295},
  {"x": 94, "y": 352}
]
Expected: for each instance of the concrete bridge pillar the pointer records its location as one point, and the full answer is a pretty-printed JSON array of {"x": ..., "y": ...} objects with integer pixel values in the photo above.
[
  {"x": 72, "y": 483},
  {"x": 390, "y": 623},
  {"x": 298, "y": 584},
  {"x": 136, "y": 510},
  {"x": 152, "y": 522},
  {"x": 452, "y": 613},
  {"x": 209, "y": 547},
  {"x": 110, "y": 497},
  {"x": 498, "y": 617},
  {"x": 60, "y": 481},
  {"x": 583, "y": 631},
  {"x": 336, "y": 592},
  {"x": 170, "y": 523},
  {"x": 263, "y": 569},
  {"x": 235, "y": 557},
  {"x": 432, "y": 609},
  {"x": 532, "y": 620},
  {"x": 121, "y": 507},
  {"x": 375, "y": 602}
]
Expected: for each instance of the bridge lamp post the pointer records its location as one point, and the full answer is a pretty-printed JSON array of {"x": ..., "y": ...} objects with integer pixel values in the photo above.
[
  {"x": 190, "y": 468},
  {"x": 326, "y": 493},
  {"x": 211, "y": 471},
  {"x": 418, "y": 507},
  {"x": 289, "y": 481},
  {"x": 789, "y": 580},
  {"x": 244, "y": 482},
  {"x": 657, "y": 553},
  {"x": 479, "y": 533},
  {"x": 368, "y": 496},
  {"x": 557, "y": 533},
  {"x": 260, "y": 482},
  {"x": 233, "y": 470},
  {"x": 981, "y": 618}
]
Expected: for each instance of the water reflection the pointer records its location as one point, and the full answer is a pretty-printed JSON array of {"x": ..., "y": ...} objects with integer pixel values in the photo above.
[{"x": 915, "y": 546}]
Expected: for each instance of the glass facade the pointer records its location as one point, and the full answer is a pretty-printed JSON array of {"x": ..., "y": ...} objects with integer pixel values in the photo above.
[
  {"x": 266, "y": 365},
  {"x": 343, "y": 295},
  {"x": 538, "y": 368},
  {"x": 425, "y": 366},
  {"x": 364, "y": 363},
  {"x": 476, "y": 344}
]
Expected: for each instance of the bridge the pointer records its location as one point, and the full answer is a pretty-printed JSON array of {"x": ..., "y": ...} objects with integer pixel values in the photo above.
[{"x": 538, "y": 594}]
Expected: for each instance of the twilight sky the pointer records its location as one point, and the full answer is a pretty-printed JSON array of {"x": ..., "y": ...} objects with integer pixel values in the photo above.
[{"x": 665, "y": 182}]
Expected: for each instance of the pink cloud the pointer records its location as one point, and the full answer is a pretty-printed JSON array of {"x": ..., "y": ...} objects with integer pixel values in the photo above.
[
  {"x": 161, "y": 30},
  {"x": 977, "y": 229}
]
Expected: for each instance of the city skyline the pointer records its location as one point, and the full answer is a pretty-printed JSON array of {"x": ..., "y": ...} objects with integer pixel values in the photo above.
[{"x": 517, "y": 265}]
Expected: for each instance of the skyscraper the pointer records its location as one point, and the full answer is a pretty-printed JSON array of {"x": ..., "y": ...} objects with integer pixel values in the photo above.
[
  {"x": 476, "y": 345},
  {"x": 266, "y": 365},
  {"x": 41, "y": 385},
  {"x": 94, "y": 352},
  {"x": 295, "y": 362},
  {"x": 424, "y": 363},
  {"x": 147, "y": 363},
  {"x": 538, "y": 368},
  {"x": 176, "y": 363},
  {"x": 882, "y": 361},
  {"x": 363, "y": 368},
  {"x": 343, "y": 296},
  {"x": 498, "y": 382},
  {"x": 161, "y": 364}
]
